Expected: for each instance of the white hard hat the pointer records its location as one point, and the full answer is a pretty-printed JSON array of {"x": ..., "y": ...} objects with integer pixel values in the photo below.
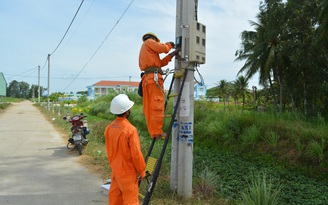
[{"x": 120, "y": 104}]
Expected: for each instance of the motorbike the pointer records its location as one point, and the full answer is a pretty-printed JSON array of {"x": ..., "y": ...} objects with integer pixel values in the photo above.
[{"x": 79, "y": 131}]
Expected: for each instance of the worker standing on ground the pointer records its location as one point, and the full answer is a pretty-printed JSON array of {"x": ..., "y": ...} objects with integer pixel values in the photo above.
[
  {"x": 124, "y": 154},
  {"x": 152, "y": 81}
]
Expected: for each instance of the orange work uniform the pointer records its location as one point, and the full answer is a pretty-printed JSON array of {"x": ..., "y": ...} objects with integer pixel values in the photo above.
[
  {"x": 153, "y": 96},
  {"x": 125, "y": 160}
]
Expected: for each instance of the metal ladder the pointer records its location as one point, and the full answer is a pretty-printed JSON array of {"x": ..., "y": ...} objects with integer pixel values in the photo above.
[{"x": 153, "y": 166}]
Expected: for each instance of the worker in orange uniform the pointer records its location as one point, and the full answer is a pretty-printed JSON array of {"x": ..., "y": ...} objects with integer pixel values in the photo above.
[
  {"x": 151, "y": 65},
  {"x": 124, "y": 154}
]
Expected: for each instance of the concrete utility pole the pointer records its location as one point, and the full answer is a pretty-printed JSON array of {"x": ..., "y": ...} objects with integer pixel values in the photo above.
[
  {"x": 38, "y": 84},
  {"x": 48, "y": 105},
  {"x": 190, "y": 36}
]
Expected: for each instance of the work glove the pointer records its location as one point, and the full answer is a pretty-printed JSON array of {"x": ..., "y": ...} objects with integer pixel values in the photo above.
[
  {"x": 142, "y": 176},
  {"x": 175, "y": 52},
  {"x": 172, "y": 44},
  {"x": 139, "y": 178}
]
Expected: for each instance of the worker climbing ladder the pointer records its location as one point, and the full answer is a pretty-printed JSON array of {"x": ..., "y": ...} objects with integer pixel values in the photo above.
[{"x": 154, "y": 165}]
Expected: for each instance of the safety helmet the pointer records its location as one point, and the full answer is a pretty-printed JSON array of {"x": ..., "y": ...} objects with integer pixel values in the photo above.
[
  {"x": 147, "y": 35},
  {"x": 120, "y": 104}
]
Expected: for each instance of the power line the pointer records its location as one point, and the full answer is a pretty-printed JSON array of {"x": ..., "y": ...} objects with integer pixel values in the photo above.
[
  {"x": 67, "y": 78},
  {"x": 78, "y": 25},
  {"x": 45, "y": 63},
  {"x": 25, "y": 72},
  {"x": 100, "y": 45},
  {"x": 68, "y": 28}
]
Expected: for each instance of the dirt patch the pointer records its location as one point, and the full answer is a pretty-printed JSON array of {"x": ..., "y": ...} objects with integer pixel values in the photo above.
[{"x": 88, "y": 162}]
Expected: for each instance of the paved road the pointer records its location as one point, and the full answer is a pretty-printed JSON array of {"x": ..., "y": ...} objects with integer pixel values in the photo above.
[{"x": 35, "y": 167}]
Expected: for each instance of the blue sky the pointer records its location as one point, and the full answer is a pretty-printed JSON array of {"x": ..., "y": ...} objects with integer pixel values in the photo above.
[{"x": 32, "y": 29}]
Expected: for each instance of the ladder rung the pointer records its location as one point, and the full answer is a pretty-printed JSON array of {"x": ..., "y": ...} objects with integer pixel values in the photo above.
[
  {"x": 141, "y": 196},
  {"x": 151, "y": 164},
  {"x": 179, "y": 74},
  {"x": 173, "y": 95}
]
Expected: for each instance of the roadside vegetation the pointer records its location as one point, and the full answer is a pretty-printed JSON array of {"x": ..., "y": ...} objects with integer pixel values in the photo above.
[
  {"x": 6, "y": 102},
  {"x": 239, "y": 156}
]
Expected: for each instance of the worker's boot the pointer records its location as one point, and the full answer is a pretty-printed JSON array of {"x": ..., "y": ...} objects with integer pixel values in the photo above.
[{"x": 160, "y": 136}]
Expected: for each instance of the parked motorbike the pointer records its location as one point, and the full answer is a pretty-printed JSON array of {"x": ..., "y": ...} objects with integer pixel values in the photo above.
[{"x": 79, "y": 131}]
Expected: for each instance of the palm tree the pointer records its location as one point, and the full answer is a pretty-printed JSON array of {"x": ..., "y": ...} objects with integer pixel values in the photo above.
[
  {"x": 223, "y": 91},
  {"x": 241, "y": 88},
  {"x": 262, "y": 48}
]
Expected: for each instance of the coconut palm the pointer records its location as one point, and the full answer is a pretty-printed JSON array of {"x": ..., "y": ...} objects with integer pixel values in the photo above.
[
  {"x": 262, "y": 48},
  {"x": 223, "y": 91},
  {"x": 241, "y": 90}
]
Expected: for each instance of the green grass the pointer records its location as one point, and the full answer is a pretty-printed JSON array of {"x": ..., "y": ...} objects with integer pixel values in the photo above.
[
  {"x": 228, "y": 147},
  {"x": 261, "y": 191},
  {"x": 5, "y": 102},
  {"x": 9, "y": 99}
]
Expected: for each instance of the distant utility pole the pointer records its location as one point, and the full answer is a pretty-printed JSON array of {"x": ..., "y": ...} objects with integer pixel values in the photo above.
[
  {"x": 48, "y": 105},
  {"x": 129, "y": 90},
  {"x": 190, "y": 36},
  {"x": 38, "y": 84}
]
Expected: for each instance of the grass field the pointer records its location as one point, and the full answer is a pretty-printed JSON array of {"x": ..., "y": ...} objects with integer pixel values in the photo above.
[{"x": 239, "y": 157}]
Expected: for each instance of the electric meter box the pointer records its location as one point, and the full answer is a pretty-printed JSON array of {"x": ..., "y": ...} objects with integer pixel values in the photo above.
[{"x": 197, "y": 42}]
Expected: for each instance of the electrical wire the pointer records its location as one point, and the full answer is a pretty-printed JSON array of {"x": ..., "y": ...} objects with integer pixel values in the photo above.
[
  {"x": 32, "y": 69},
  {"x": 68, "y": 27},
  {"x": 45, "y": 63},
  {"x": 202, "y": 82},
  {"x": 111, "y": 30},
  {"x": 78, "y": 25},
  {"x": 61, "y": 78}
]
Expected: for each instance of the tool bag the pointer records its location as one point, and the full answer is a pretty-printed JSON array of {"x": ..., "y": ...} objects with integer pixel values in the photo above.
[{"x": 140, "y": 86}]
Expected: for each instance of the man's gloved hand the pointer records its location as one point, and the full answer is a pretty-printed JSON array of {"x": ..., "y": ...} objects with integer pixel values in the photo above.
[
  {"x": 172, "y": 44},
  {"x": 175, "y": 52},
  {"x": 139, "y": 178},
  {"x": 142, "y": 175}
]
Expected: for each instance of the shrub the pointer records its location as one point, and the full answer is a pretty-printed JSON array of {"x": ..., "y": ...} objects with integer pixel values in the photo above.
[
  {"x": 100, "y": 109},
  {"x": 206, "y": 183},
  {"x": 251, "y": 135},
  {"x": 299, "y": 147},
  {"x": 315, "y": 150},
  {"x": 271, "y": 138},
  {"x": 4, "y": 105},
  {"x": 97, "y": 130},
  {"x": 261, "y": 191},
  {"x": 233, "y": 127}
]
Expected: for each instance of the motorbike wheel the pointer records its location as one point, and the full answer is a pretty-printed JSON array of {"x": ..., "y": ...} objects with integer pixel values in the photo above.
[
  {"x": 70, "y": 146},
  {"x": 79, "y": 148}
]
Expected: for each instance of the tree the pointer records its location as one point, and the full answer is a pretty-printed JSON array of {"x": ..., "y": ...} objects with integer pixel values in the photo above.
[
  {"x": 18, "y": 89},
  {"x": 13, "y": 89},
  {"x": 85, "y": 93},
  {"x": 288, "y": 49},
  {"x": 222, "y": 87},
  {"x": 34, "y": 91},
  {"x": 262, "y": 48},
  {"x": 307, "y": 45},
  {"x": 241, "y": 85},
  {"x": 54, "y": 96}
]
